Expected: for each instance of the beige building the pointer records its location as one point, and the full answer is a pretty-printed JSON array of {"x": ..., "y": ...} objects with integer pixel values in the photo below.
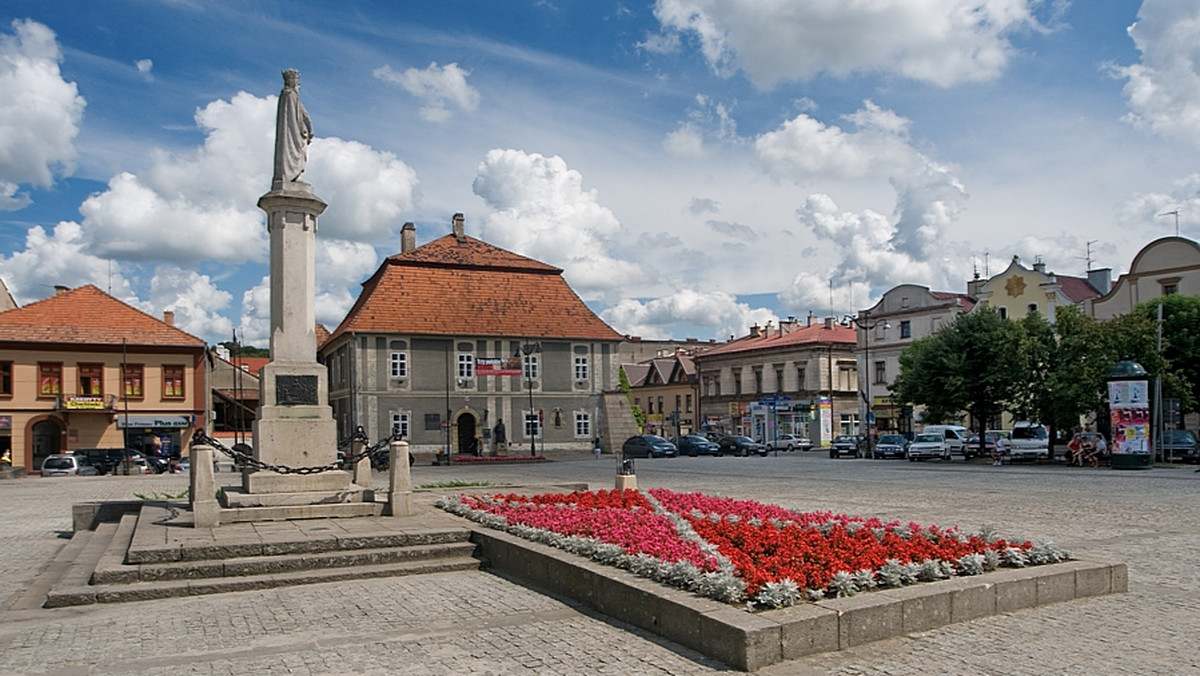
[
  {"x": 666, "y": 390},
  {"x": 903, "y": 314},
  {"x": 1019, "y": 291},
  {"x": 81, "y": 369},
  {"x": 791, "y": 379},
  {"x": 1163, "y": 267}
]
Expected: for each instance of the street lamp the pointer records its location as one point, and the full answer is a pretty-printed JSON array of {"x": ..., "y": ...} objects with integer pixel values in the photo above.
[
  {"x": 865, "y": 324},
  {"x": 529, "y": 349}
]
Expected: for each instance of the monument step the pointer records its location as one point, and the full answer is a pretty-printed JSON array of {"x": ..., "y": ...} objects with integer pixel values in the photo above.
[
  {"x": 109, "y": 574},
  {"x": 64, "y": 596},
  {"x": 287, "y": 512},
  {"x": 232, "y": 496}
]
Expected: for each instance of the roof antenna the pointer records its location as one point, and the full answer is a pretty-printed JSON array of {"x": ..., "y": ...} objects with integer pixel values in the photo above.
[{"x": 1175, "y": 213}]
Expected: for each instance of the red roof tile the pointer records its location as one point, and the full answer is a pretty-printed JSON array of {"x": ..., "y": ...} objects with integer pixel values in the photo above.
[
  {"x": 1077, "y": 289},
  {"x": 804, "y": 335},
  {"x": 468, "y": 287},
  {"x": 252, "y": 364},
  {"x": 88, "y": 316}
]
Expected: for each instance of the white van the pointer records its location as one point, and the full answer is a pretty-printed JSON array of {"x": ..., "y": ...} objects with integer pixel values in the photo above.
[
  {"x": 955, "y": 436},
  {"x": 1030, "y": 441}
]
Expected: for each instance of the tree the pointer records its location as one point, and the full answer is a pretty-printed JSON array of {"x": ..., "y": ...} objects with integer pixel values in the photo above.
[
  {"x": 245, "y": 350},
  {"x": 973, "y": 364},
  {"x": 1181, "y": 345}
]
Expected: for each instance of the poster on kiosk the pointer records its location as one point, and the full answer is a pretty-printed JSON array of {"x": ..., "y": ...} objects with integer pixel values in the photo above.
[{"x": 1129, "y": 412}]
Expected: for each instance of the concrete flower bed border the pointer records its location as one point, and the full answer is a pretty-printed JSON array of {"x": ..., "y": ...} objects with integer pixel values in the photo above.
[{"x": 751, "y": 641}]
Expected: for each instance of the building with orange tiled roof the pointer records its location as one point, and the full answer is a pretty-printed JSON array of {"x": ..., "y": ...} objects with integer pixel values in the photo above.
[
  {"x": 458, "y": 340},
  {"x": 797, "y": 378},
  {"x": 81, "y": 369}
]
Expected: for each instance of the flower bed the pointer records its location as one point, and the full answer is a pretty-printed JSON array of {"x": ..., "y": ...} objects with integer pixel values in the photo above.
[{"x": 742, "y": 550}]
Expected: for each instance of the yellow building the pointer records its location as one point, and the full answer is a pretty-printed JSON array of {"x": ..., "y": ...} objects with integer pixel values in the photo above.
[
  {"x": 81, "y": 369},
  {"x": 1020, "y": 291}
]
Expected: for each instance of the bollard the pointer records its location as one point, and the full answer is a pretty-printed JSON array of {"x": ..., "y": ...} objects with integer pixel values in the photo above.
[
  {"x": 399, "y": 502},
  {"x": 362, "y": 468},
  {"x": 202, "y": 488}
]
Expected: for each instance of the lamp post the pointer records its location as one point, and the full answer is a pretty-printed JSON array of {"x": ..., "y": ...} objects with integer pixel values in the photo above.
[
  {"x": 867, "y": 327},
  {"x": 529, "y": 349}
]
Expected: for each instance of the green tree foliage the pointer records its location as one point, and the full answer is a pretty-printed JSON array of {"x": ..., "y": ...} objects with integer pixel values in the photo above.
[
  {"x": 245, "y": 350},
  {"x": 639, "y": 416},
  {"x": 975, "y": 364},
  {"x": 1181, "y": 344}
]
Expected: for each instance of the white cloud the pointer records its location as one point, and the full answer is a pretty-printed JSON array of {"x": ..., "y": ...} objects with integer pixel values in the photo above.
[
  {"x": 40, "y": 112},
  {"x": 59, "y": 258},
  {"x": 804, "y": 147},
  {"x": 944, "y": 42},
  {"x": 144, "y": 66},
  {"x": 542, "y": 211},
  {"x": 255, "y": 327},
  {"x": 1164, "y": 89},
  {"x": 653, "y": 319},
  {"x": 686, "y": 142},
  {"x": 437, "y": 87},
  {"x": 201, "y": 204},
  {"x": 194, "y": 299}
]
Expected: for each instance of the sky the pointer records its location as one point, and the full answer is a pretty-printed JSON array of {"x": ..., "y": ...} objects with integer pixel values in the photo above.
[{"x": 695, "y": 167}]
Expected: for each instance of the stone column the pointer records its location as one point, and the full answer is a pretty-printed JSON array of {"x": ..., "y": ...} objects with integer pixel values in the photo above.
[
  {"x": 202, "y": 489},
  {"x": 362, "y": 468},
  {"x": 399, "y": 481}
]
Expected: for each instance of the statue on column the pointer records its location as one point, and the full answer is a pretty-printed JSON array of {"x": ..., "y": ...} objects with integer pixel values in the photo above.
[{"x": 293, "y": 131}]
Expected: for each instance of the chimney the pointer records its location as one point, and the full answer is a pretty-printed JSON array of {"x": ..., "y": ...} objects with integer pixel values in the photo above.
[
  {"x": 408, "y": 238},
  {"x": 755, "y": 331},
  {"x": 1101, "y": 279},
  {"x": 830, "y": 322},
  {"x": 59, "y": 289},
  {"x": 809, "y": 320},
  {"x": 1039, "y": 266},
  {"x": 169, "y": 317},
  {"x": 459, "y": 233}
]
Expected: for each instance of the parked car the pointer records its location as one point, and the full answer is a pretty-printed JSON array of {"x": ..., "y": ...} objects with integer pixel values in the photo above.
[
  {"x": 68, "y": 464},
  {"x": 790, "y": 442},
  {"x": 955, "y": 437},
  {"x": 927, "y": 446},
  {"x": 648, "y": 446},
  {"x": 106, "y": 460},
  {"x": 846, "y": 444},
  {"x": 740, "y": 446},
  {"x": 1176, "y": 445},
  {"x": 1029, "y": 441},
  {"x": 695, "y": 444},
  {"x": 891, "y": 446}
]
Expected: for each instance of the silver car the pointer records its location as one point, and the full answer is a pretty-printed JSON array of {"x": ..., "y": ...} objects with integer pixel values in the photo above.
[
  {"x": 928, "y": 446},
  {"x": 68, "y": 464}
]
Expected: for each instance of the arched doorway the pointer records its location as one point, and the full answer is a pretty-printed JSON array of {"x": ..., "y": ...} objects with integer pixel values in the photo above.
[
  {"x": 46, "y": 437},
  {"x": 465, "y": 426}
]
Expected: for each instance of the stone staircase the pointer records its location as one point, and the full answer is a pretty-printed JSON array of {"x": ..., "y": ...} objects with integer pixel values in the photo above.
[{"x": 152, "y": 553}]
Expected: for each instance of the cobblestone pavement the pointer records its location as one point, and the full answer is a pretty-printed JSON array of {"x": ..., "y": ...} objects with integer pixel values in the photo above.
[{"x": 479, "y": 623}]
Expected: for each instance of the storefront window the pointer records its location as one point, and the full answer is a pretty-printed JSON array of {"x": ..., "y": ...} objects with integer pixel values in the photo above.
[
  {"x": 91, "y": 380},
  {"x": 131, "y": 376},
  {"x": 49, "y": 380},
  {"x": 172, "y": 382}
]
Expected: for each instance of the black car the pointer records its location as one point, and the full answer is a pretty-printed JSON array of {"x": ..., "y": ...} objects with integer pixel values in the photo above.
[
  {"x": 890, "y": 446},
  {"x": 740, "y": 446},
  {"x": 694, "y": 445},
  {"x": 648, "y": 446},
  {"x": 846, "y": 444}
]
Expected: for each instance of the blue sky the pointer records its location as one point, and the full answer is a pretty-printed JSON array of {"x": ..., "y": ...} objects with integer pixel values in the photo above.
[{"x": 694, "y": 166}]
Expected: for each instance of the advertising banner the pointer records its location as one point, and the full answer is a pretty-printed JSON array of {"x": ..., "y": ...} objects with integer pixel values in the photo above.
[
  {"x": 498, "y": 366},
  {"x": 825, "y": 406},
  {"x": 1129, "y": 412}
]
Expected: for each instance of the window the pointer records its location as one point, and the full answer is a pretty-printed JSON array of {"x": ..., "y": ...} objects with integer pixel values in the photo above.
[
  {"x": 880, "y": 372},
  {"x": 1003, "y": 312},
  {"x": 581, "y": 368},
  {"x": 6, "y": 378},
  {"x": 906, "y": 329},
  {"x": 400, "y": 424},
  {"x": 91, "y": 380},
  {"x": 533, "y": 424},
  {"x": 737, "y": 382},
  {"x": 399, "y": 364},
  {"x": 1031, "y": 309},
  {"x": 49, "y": 380},
  {"x": 661, "y": 409},
  {"x": 529, "y": 367},
  {"x": 466, "y": 366},
  {"x": 172, "y": 382},
  {"x": 779, "y": 379},
  {"x": 758, "y": 381},
  {"x": 688, "y": 399},
  {"x": 800, "y": 377},
  {"x": 1170, "y": 289},
  {"x": 131, "y": 381},
  {"x": 678, "y": 401},
  {"x": 650, "y": 405},
  {"x": 583, "y": 425}
]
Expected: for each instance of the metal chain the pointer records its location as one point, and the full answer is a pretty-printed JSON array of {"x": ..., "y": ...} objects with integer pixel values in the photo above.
[{"x": 200, "y": 437}]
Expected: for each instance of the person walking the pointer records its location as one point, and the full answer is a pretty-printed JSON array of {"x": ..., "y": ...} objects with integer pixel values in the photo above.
[{"x": 998, "y": 450}]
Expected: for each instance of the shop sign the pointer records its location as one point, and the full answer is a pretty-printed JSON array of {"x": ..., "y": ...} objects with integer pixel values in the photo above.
[
  {"x": 147, "y": 422},
  {"x": 80, "y": 403},
  {"x": 498, "y": 366}
]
